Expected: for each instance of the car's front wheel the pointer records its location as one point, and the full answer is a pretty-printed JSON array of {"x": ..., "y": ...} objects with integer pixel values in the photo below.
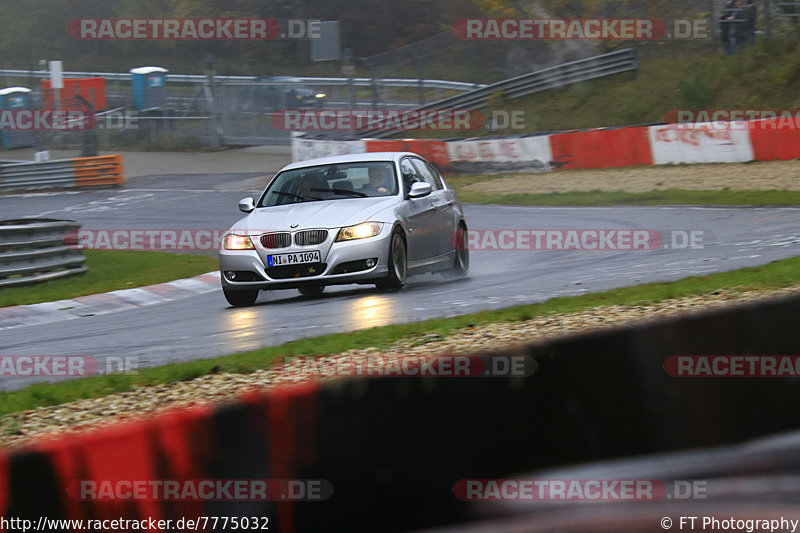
[
  {"x": 398, "y": 263},
  {"x": 461, "y": 261},
  {"x": 241, "y": 298}
]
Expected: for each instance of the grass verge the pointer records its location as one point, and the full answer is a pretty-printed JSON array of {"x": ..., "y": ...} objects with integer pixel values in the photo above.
[
  {"x": 110, "y": 270},
  {"x": 598, "y": 197},
  {"x": 660, "y": 197},
  {"x": 773, "y": 275}
]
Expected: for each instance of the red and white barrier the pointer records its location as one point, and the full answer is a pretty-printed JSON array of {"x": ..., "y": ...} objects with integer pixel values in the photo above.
[
  {"x": 704, "y": 142},
  {"x": 602, "y": 148},
  {"x": 772, "y": 139}
]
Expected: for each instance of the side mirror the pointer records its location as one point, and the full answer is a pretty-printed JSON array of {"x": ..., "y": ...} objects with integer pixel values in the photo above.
[
  {"x": 420, "y": 189},
  {"x": 246, "y": 205}
]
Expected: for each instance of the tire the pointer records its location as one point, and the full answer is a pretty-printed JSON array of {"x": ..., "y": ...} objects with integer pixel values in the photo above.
[
  {"x": 398, "y": 263},
  {"x": 241, "y": 298},
  {"x": 311, "y": 290},
  {"x": 461, "y": 260}
]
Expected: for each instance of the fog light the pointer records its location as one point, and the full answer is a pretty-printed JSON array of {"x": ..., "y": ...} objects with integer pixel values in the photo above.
[
  {"x": 370, "y": 263},
  {"x": 231, "y": 275}
]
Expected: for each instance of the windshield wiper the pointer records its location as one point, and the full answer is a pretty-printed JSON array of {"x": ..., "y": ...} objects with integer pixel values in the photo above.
[
  {"x": 348, "y": 191},
  {"x": 297, "y": 196}
]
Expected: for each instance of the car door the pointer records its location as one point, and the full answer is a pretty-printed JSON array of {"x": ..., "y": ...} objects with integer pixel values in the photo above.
[
  {"x": 419, "y": 216},
  {"x": 443, "y": 218}
]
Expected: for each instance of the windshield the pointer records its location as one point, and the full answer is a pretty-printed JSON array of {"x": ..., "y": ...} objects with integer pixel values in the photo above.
[{"x": 331, "y": 182}]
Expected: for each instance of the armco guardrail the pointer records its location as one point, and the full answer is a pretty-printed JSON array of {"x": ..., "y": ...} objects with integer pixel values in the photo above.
[
  {"x": 197, "y": 78},
  {"x": 558, "y": 76},
  {"x": 392, "y": 448},
  {"x": 62, "y": 173},
  {"x": 34, "y": 250}
]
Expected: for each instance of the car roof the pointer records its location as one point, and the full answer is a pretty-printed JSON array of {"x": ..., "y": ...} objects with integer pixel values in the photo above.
[{"x": 349, "y": 158}]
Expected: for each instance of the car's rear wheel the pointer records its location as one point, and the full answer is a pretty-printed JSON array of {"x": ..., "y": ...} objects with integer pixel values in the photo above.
[
  {"x": 241, "y": 298},
  {"x": 311, "y": 290},
  {"x": 398, "y": 263},
  {"x": 461, "y": 261}
]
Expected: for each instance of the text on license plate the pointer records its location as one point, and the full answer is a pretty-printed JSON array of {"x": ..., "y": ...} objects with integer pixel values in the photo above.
[{"x": 293, "y": 259}]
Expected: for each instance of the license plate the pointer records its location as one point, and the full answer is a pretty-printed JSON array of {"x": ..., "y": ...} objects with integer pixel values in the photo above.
[{"x": 297, "y": 258}]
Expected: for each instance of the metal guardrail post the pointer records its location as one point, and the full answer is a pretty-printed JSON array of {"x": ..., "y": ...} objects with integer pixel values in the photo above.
[
  {"x": 768, "y": 17},
  {"x": 374, "y": 87},
  {"x": 211, "y": 96},
  {"x": 33, "y": 250}
]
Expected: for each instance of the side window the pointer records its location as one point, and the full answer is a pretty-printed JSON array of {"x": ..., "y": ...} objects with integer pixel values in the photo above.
[
  {"x": 410, "y": 174},
  {"x": 428, "y": 174},
  {"x": 436, "y": 175}
]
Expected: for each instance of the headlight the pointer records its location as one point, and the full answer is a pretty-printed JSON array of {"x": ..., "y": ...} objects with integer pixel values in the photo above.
[
  {"x": 320, "y": 95},
  {"x": 237, "y": 242},
  {"x": 359, "y": 231}
]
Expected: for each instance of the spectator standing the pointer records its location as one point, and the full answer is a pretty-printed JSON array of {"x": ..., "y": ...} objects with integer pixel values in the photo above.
[
  {"x": 726, "y": 26},
  {"x": 749, "y": 24},
  {"x": 731, "y": 26}
]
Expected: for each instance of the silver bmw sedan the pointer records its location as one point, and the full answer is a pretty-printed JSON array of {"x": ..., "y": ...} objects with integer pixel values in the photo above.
[{"x": 360, "y": 218}]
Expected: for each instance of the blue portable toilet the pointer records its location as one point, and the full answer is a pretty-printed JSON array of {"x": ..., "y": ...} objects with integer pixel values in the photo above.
[
  {"x": 16, "y": 98},
  {"x": 149, "y": 87}
]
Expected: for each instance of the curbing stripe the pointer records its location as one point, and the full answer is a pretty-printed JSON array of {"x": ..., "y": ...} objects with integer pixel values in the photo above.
[{"x": 109, "y": 302}]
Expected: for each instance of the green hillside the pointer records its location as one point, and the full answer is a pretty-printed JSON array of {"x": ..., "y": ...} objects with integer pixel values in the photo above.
[{"x": 765, "y": 76}]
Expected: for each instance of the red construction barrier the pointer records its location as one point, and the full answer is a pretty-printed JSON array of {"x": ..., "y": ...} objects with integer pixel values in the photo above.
[
  {"x": 601, "y": 148},
  {"x": 774, "y": 139},
  {"x": 93, "y": 90}
]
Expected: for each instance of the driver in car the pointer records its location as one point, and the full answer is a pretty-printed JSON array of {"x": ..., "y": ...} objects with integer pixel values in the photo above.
[
  {"x": 304, "y": 188},
  {"x": 380, "y": 182},
  {"x": 311, "y": 185}
]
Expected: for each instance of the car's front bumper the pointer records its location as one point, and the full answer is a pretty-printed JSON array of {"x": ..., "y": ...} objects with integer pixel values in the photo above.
[{"x": 338, "y": 260}]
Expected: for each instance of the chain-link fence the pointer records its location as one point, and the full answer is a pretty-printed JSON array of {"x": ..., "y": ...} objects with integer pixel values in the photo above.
[{"x": 200, "y": 110}]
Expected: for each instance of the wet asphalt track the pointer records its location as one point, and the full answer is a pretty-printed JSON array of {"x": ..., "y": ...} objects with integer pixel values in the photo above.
[{"x": 205, "y": 326}]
